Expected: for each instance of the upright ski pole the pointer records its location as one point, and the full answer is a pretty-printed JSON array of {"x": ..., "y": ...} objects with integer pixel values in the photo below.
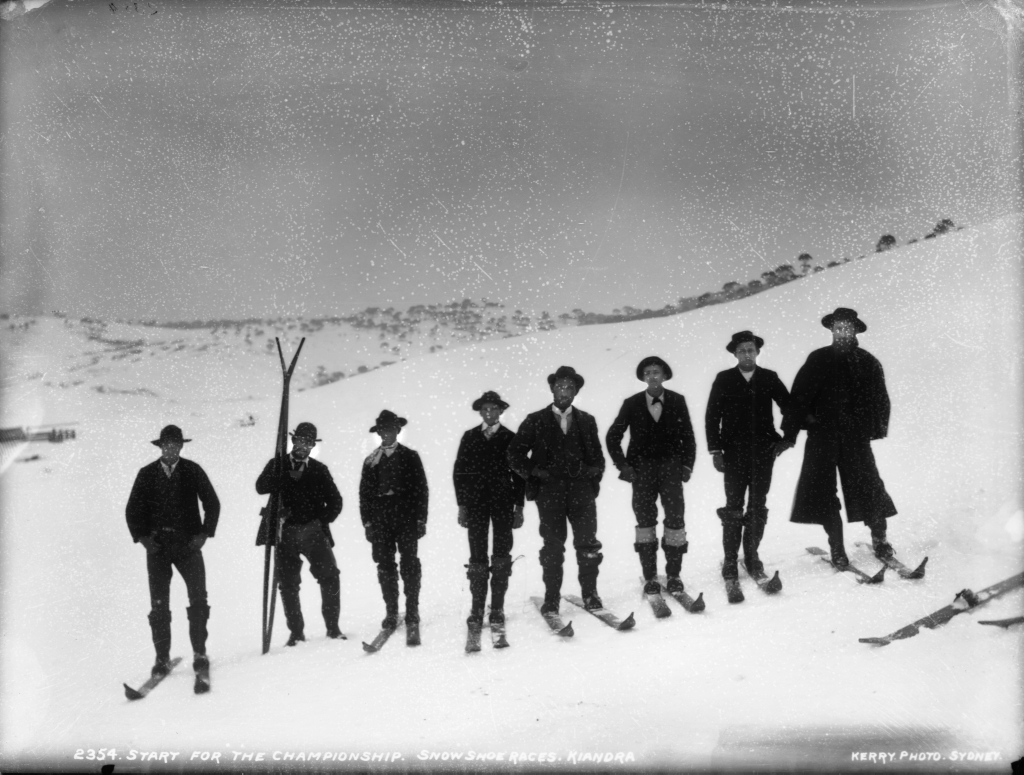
[{"x": 274, "y": 504}]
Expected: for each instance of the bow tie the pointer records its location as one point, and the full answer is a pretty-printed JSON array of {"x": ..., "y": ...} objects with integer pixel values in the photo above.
[{"x": 655, "y": 401}]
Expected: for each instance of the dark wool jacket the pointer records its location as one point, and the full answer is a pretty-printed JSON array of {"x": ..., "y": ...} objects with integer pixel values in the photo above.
[
  {"x": 671, "y": 436},
  {"x": 844, "y": 390},
  {"x": 740, "y": 412},
  {"x": 540, "y": 443},
  {"x": 313, "y": 496},
  {"x": 405, "y": 476},
  {"x": 484, "y": 482},
  {"x": 145, "y": 506}
]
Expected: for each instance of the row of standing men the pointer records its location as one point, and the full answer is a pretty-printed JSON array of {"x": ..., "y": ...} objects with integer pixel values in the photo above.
[{"x": 556, "y": 460}]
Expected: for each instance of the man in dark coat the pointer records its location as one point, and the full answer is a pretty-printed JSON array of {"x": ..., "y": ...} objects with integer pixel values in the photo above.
[
  {"x": 393, "y": 499},
  {"x": 558, "y": 453},
  {"x": 839, "y": 397},
  {"x": 488, "y": 492},
  {"x": 163, "y": 516},
  {"x": 310, "y": 502},
  {"x": 660, "y": 457},
  {"x": 743, "y": 442}
]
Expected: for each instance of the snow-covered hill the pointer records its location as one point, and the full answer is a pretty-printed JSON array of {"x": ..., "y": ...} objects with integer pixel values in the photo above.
[{"x": 775, "y": 682}]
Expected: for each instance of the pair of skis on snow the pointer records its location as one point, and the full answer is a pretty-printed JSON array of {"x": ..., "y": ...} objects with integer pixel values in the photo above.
[
  {"x": 964, "y": 600},
  {"x": 560, "y": 628},
  {"x": 474, "y": 633},
  {"x": 661, "y": 608},
  {"x": 201, "y": 686}
]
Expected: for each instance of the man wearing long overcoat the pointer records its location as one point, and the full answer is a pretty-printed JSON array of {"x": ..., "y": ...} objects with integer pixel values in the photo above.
[
  {"x": 163, "y": 515},
  {"x": 660, "y": 457},
  {"x": 489, "y": 495},
  {"x": 557, "y": 451},
  {"x": 741, "y": 436},
  {"x": 839, "y": 398}
]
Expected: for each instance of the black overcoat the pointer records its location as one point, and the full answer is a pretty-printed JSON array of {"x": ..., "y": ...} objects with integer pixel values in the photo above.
[
  {"x": 539, "y": 443},
  {"x": 671, "y": 436},
  {"x": 144, "y": 503},
  {"x": 484, "y": 482},
  {"x": 409, "y": 483},
  {"x": 740, "y": 412},
  {"x": 843, "y": 390},
  {"x": 313, "y": 496}
]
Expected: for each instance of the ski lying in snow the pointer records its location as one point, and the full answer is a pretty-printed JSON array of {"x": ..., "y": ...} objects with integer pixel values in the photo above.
[
  {"x": 893, "y": 564},
  {"x": 862, "y": 577},
  {"x": 554, "y": 620},
  {"x": 1004, "y": 623},
  {"x": 769, "y": 586},
  {"x": 382, "y": 637},
  {"x": 412, "y": 633},
  {"x": 151, "y": 684},
  {"x": 733, "y": 591},
  {"x": 658, "y": 604},
  {"x": 965, "y": 600},
  {"x": 692, "y": 606},
  {"x": 603, "y": 614},
  {"x": 498, "y": 639},
  {"x": 473, "y": 638},
  {"x": 202, "y": 683}
]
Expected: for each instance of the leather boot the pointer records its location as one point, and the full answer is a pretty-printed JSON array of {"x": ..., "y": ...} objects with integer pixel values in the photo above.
[
  {"x": 330, "y": 604},
  {"x": 753, "y": 532},
  {"x": 648, "y": 551},
  {"x": 198, "y": 615},
  {"x": 160, "y": 627},
  {"x": 411, "y": 582},
  {"x": 732, "y": 537},
  {"x": 501, "y": 569},
  {"x": 293, "y": 613},
  {"x": 477, "y": 572},
  {"x": 883, "y": 549},
  {"x": 389, "y": 589},
  {"x": 834, "y": 531}
]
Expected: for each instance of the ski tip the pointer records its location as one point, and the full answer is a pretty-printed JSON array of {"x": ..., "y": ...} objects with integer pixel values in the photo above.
[
  {"x": 879, "y": 577},
  {"x": 567, "y": 631},
  {"x": 875, "y": 641},
  {"x": 774, "y": 585},
  {"x": 132, "y": 694},
  {"x": 368, "y": 648},
  {"x": 698, "y": 604},
  {"x": 918, "y": 572},
  {"x": 628, "y": 623},
  {"x": 816, "y": 550}
]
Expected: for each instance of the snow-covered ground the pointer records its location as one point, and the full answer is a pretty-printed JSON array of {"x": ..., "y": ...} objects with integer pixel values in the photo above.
[{"x": 777, "y": 682}]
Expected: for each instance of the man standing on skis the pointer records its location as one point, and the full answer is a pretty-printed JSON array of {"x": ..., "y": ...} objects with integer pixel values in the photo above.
[
  {"x": 163, "y": 516},
  {"x": 743, "y": 443},
  {"x": 660, "y": 458},
  {"x": 558, "y": 453},
  {"x": 488, "y": 493},
  {"x": 310, "y": 502},
  {"x": 839, "y": 397},
  {"x": 393, "y": 499}
]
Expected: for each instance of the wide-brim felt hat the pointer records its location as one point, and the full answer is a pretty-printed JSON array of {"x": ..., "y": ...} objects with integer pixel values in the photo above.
[
  {"x": 744, "y": 336},
  {"x": 388, "y": 419},
  {"x": 170, "y": 433},
  {"x": 490, "y": 397},
  {"x": 844, "y": 313},
  {"x": 566, "y": 372},
  {"x": 305, "y": 430},
  {"x": 649, "y": 361}
]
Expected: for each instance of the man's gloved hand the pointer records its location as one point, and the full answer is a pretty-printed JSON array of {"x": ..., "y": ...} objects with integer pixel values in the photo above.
[
  {"x": 593, "y": 472},
  {"x": 517, "y": 518},
  {"x": 686, "y": 473},
  {"x": 197, "y": 541},
  {"x": 540, "y": 473},
  {"x": 718, "y": 461},
  {"x": 463, "y": 517},
  {"x": 627, "y": 473},
  {"x": 150, "y": 543},
  {"x": 782, "y": 446},
  {"x": 421, "y": 528},
  {"x": 369, "y": 532}
]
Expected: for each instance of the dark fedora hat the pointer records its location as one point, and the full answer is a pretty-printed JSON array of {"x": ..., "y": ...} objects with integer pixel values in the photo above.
[
  {"x": 566, "y": 372},
  {"x": 651, "y": 360},
  {"x": 305, "y": 430},
  {"x": 388, "y": 419},
  {"x": 170, "y": 433},
  {"x": 744, "y": 336},
  {"x": 843, "y": 313},
  {"x": 490, "y": 397}
]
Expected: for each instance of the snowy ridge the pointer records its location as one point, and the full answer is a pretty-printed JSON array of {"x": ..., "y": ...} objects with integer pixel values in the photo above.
[{"x": 778, "y": 681}]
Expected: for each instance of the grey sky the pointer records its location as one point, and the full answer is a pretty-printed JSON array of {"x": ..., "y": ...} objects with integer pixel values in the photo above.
[{"x": 189, "y": 160}]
